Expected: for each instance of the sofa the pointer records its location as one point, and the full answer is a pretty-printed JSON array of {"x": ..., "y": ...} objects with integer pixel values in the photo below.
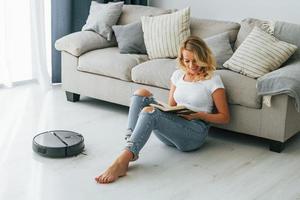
[{"x": 93, "y": 66}]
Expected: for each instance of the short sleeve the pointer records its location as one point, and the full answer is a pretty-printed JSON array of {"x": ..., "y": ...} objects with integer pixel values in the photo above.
[
  {"x": 216, "y": 83},
  {"x": 175, "y": 77}
]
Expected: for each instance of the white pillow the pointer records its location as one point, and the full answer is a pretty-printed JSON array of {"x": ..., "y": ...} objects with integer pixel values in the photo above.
[
  {"x": 259, "y": 54},
  {"x": 102, "y": 17},
  {"x": 163, "y": 34}
]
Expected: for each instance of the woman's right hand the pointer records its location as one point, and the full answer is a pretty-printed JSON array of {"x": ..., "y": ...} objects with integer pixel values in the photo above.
[{"x": 171, "y": 100}]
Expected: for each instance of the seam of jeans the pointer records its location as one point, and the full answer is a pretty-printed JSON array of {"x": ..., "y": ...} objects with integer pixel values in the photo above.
[
  {"x": 171, "y": 118},
  {"x": 144, "y": 97},
  {"x": 132, "y": 145}
]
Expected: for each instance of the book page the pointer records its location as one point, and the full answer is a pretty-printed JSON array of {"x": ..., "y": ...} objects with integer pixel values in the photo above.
[{"x": 167, "y": 108}]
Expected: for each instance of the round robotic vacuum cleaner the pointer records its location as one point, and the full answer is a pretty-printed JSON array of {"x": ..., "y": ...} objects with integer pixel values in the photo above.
[{"x": 58, "y": 143}]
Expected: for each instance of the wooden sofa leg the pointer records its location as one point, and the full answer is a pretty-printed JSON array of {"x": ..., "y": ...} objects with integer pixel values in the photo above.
[
  {"x": 276, "y": 146},
  {"x": 73, "y": 97}
]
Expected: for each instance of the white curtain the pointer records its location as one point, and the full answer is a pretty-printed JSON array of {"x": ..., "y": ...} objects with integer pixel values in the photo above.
[
  {"x": 22, "y": 42},
  {"x": 38, "y": 41}
]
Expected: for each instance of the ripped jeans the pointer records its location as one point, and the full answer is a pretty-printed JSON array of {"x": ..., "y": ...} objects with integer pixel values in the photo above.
[{"x": 185, "y": 135}]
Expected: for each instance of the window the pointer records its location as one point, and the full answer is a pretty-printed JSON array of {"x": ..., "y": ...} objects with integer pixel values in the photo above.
[{"x": 15, "y": 40}]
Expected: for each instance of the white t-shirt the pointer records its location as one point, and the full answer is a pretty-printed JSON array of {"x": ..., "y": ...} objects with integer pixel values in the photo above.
[{"x": 196, "y": 96}]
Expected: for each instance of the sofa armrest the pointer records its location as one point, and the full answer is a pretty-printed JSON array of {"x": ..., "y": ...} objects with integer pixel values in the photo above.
[
  {"x": 83, "y": 41},
  {"x": 280, "y": 121},
  {"x": 285, "y": 80}
]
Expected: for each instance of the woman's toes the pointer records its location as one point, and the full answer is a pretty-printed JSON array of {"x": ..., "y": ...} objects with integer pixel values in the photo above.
[
  {"x": 113, "y": 173},
  {"x": 102, "y": 179},
  {"x": 106, "y": 180},
  {"x": 98, "y": 178},
  {"x": 111, "y": 179}
]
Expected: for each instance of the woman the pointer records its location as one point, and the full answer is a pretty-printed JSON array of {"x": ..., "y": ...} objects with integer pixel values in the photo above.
[{"x": 195, "y": 86}]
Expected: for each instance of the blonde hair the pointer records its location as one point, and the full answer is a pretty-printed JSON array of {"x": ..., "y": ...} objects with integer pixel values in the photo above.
[{"x": 202, "y": 54}]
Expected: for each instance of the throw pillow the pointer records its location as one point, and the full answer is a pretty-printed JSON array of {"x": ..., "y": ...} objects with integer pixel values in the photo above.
[
  {"x": 289, "y": 32},
  {"x": 163, "y": 34},
  {"x": 221, "y": 48},
  {"x": 247, "y": 26},
  {"x": 102, "y": 17},
  {"x": 259, "y": 54},
  {"x": 133, "y": 13},
  {"x": 130, "y": 38}
]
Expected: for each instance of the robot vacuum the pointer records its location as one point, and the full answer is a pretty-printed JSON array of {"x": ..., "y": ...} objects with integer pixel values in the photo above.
[{"x": 58, "y": 143}]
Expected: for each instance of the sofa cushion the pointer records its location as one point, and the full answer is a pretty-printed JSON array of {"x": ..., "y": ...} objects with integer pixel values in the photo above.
[
  {"x": 259, "y": 54},
  {"x": 220, "y": 47},
  {"x": 109, "y": 62},
  {"x": 80, "y": 42},
  {"x": 156, "y": 72},
  {"x": 133, "y": 13},
  {"x": 241, "y": 90},
  {"x": 204, "y": 28},
  {"x": 130, "y": 38},
  {"x": 163, "y": 34},
  {"x": 102, "y": 17},
  {"x": 247, "y": 26}
]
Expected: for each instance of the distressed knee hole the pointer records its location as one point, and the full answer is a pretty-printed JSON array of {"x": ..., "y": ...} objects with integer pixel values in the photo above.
[
  {"x": 143, "y": 92},
  {"x": 148, "y": 109}
]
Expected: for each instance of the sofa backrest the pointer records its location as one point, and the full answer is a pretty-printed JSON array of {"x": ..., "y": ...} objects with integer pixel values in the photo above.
[
  {"x": 204, "y": 28},
  {"x": 200, "y": 27},
  {"x": 133, "y": 13}
]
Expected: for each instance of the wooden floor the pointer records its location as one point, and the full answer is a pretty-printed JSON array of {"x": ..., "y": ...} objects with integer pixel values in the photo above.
[{"x": 229, "y": 165}]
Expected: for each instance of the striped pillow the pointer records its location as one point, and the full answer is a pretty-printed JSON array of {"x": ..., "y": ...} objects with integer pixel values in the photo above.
[
  {"x": 259, "y": 54},
  {"x": 163, "y": 34}
]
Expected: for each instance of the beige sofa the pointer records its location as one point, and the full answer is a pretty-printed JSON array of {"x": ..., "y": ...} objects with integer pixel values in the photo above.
[{"x": 93, "y": 67}]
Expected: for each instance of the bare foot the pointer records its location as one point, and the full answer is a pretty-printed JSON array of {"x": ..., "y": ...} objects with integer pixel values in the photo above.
[{"x": 116, "y": 170}]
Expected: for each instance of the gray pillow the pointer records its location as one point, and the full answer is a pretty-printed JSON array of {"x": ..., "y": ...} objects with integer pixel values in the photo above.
[
  {"x": 247, "y": 26},
  {"x": 290, "y": 33},
  {"x": 130, "y": 38},
  {"x": 102, "y": 17},
  {"x": 221, "y": 48}
]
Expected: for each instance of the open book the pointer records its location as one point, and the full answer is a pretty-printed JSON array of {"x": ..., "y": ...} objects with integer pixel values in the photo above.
[{"x": 180, "y": 109}]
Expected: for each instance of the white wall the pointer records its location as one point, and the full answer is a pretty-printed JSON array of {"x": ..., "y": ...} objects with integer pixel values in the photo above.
[{"x": 236, "y": 10}]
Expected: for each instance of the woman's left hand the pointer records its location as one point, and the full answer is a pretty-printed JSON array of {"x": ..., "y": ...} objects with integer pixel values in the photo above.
[
  {"x": 187, "y": 117},
  {"x": 197, "y": 115},
  {"x": 190, "y": 116}
]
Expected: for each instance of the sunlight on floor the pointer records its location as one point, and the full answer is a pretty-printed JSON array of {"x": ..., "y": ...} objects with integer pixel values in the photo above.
[{"x": 15, "y": 112}]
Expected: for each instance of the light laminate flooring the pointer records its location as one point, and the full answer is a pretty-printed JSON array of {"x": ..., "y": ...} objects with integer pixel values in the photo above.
[{"x": 228, "y": 166}]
